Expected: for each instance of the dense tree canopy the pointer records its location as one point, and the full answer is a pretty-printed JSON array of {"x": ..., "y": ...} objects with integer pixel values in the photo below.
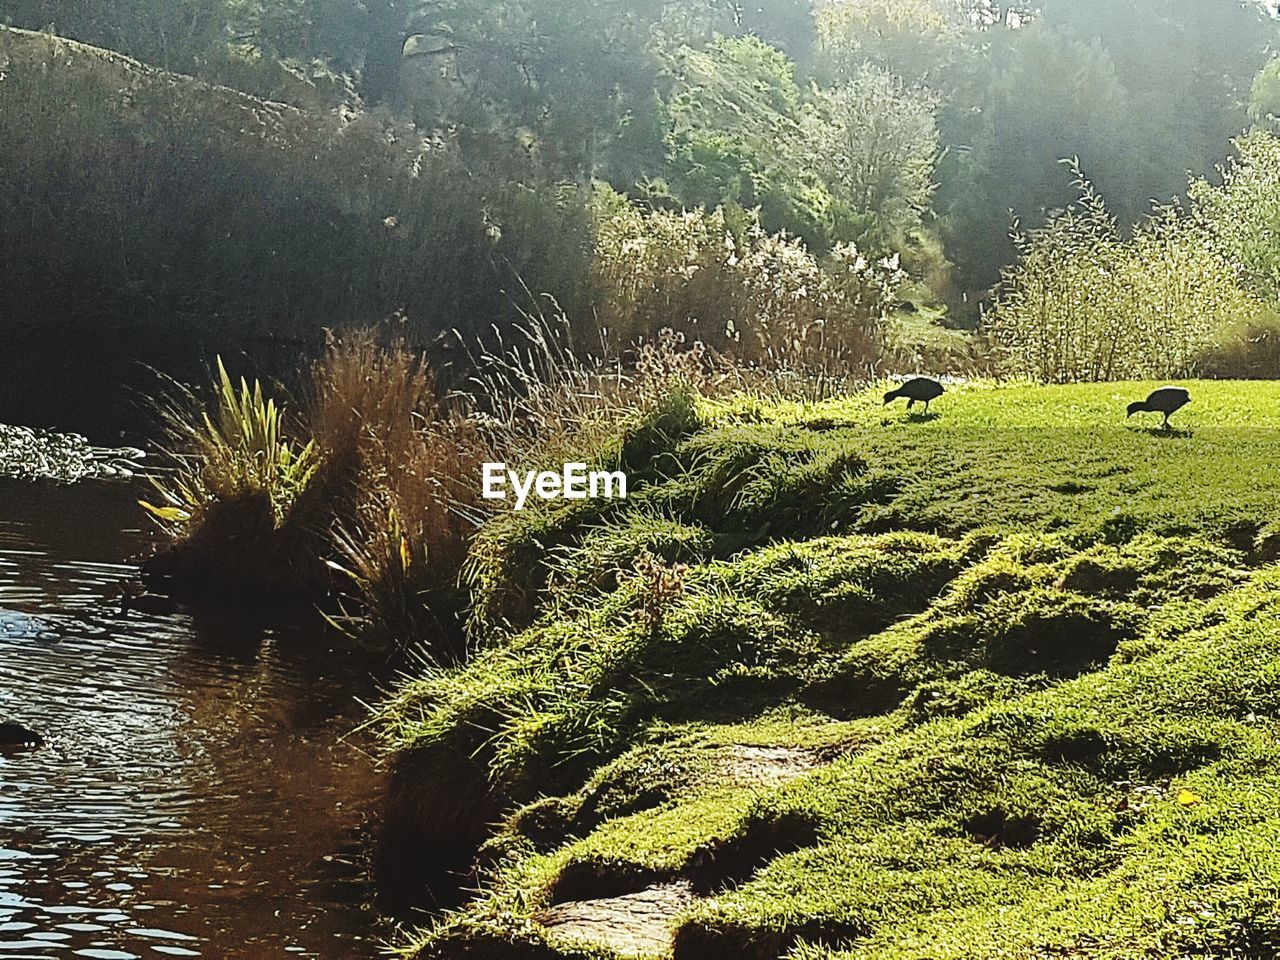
[{"x": 842, "y": 120}]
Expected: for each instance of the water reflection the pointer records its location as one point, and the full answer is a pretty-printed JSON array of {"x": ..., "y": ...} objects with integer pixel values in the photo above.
[{"x": 192, "y": 798}]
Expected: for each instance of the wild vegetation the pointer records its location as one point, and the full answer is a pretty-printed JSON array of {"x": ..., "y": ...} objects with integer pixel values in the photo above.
[
  {"x": 1085, "y": 304},
  {"x": 445, "y": 164},
  {"x": 365, "y": 496},
  {"x": 299, "y": 215},
  {"x": 833, "y": 681}
]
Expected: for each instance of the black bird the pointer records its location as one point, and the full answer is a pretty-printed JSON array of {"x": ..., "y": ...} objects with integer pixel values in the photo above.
[
  {"x": 923, "y": 389},
  {"x": 1166, "y": 400},
  {"x": 14, "y": 735}
]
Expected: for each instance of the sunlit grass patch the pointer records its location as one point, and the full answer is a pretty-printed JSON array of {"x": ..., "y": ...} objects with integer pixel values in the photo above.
[{"x": 1006, "y": 676}]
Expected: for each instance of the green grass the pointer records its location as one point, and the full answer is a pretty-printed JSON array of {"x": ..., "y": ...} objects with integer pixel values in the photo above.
[{"x": 1003, "y": 682}]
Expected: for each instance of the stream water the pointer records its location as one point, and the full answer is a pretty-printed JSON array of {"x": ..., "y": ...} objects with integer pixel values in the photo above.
[{"x": 198, "y": 793}]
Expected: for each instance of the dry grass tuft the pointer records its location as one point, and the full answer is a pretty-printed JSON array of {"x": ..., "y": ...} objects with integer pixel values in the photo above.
[{"x": 408, "y": 461}]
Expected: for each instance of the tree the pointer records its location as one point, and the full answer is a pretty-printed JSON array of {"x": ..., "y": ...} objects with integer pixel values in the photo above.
[
  {"x": 874, "y": 144},
  {"x": 551, "y": 81},
  {"x": 1144, "y": 93},
  {"x": 733, "y": 117},
  {"x": 850, "y": 163},
  {"x": 915, "y": 39},
  {"x": 1242, "y": 213},
  {"x": 1040, "y": 97}
]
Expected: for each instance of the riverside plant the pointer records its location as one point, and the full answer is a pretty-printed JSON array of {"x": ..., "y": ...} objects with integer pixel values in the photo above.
[
  {"x": 243, "y": 446},
  {"x": 243, "y": 501},
  {"x": 369, "y": 500}
]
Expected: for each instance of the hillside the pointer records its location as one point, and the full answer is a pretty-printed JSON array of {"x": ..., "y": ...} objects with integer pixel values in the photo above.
[{"x": 998, "y": 682}]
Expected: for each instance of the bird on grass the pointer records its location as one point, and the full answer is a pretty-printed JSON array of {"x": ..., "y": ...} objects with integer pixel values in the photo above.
[
  {"x": 1166, "y": 400},
  {"x": 922, "y": 389}
]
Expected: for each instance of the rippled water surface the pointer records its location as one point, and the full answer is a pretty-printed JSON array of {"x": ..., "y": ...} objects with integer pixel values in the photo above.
[{"x": 196, "y": 795}]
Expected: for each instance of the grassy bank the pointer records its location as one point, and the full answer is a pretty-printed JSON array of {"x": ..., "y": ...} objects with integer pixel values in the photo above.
[{"x": 842, "y": 681}]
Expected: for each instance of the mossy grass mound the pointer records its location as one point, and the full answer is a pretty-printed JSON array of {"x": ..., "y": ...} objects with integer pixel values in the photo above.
[{"x": 999, "y": 682}]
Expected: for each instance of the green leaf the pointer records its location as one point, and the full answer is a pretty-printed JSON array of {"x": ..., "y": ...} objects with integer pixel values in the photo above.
[{"x": 166, "y": 514}]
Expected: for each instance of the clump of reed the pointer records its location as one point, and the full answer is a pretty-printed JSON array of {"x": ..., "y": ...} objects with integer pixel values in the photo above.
[
  {"x": 718, "y": 277},
  {"x": 407, "y": 459},
  {"x": 238, "y": 499}
]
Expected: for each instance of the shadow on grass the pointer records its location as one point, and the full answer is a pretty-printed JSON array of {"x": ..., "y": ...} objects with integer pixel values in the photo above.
[{"x": 1165, "y": 433}]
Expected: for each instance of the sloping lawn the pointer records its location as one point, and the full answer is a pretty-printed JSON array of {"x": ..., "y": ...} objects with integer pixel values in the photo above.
[{"x": 1003, "y": 681}]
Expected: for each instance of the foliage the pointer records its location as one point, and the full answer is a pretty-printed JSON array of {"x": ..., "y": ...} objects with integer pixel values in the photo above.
[
  {"x": 910, "y": 38},
  {"x": 1042, "y": 96},
  {"x": 243, "y": 446},
  {"x": 851, "y": 163},
  {"x": 727, "y": 283},
  {"x": 1247, "y": 350},
  {"x": 301, "y": 218},
  {"x": 1264, "y": 95},
  {"x": 733, "y": 137},
  {"x": 676, "y": 104},
  {"x": 244, "y": 501},
  {"x": 374, "y": 515},
  {"x": 1142, "y": 93},
  {"x": 368, "y": 517},
  {"x": 538, "y": 87},
  {"x": 874, "y": 143},
  {"x": 660, "y": 588},
  {"x": 1084, "y": 304},
  {"x": 1242, "y": 213}
]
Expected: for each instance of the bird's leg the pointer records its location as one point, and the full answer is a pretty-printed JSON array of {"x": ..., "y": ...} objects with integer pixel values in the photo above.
[
  {"x": 1166, "y": 421},
  {"x": 910, "y": 402}
]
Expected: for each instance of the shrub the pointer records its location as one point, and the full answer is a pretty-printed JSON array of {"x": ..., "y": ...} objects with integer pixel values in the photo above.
[
  {"x": 760, "y": 298},
  {"x": 874, "y": 142},
  {"x": 1082, "y": 304},
  {"x": 911, "y": 37},
  {"x": 384, "y": 494}
]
